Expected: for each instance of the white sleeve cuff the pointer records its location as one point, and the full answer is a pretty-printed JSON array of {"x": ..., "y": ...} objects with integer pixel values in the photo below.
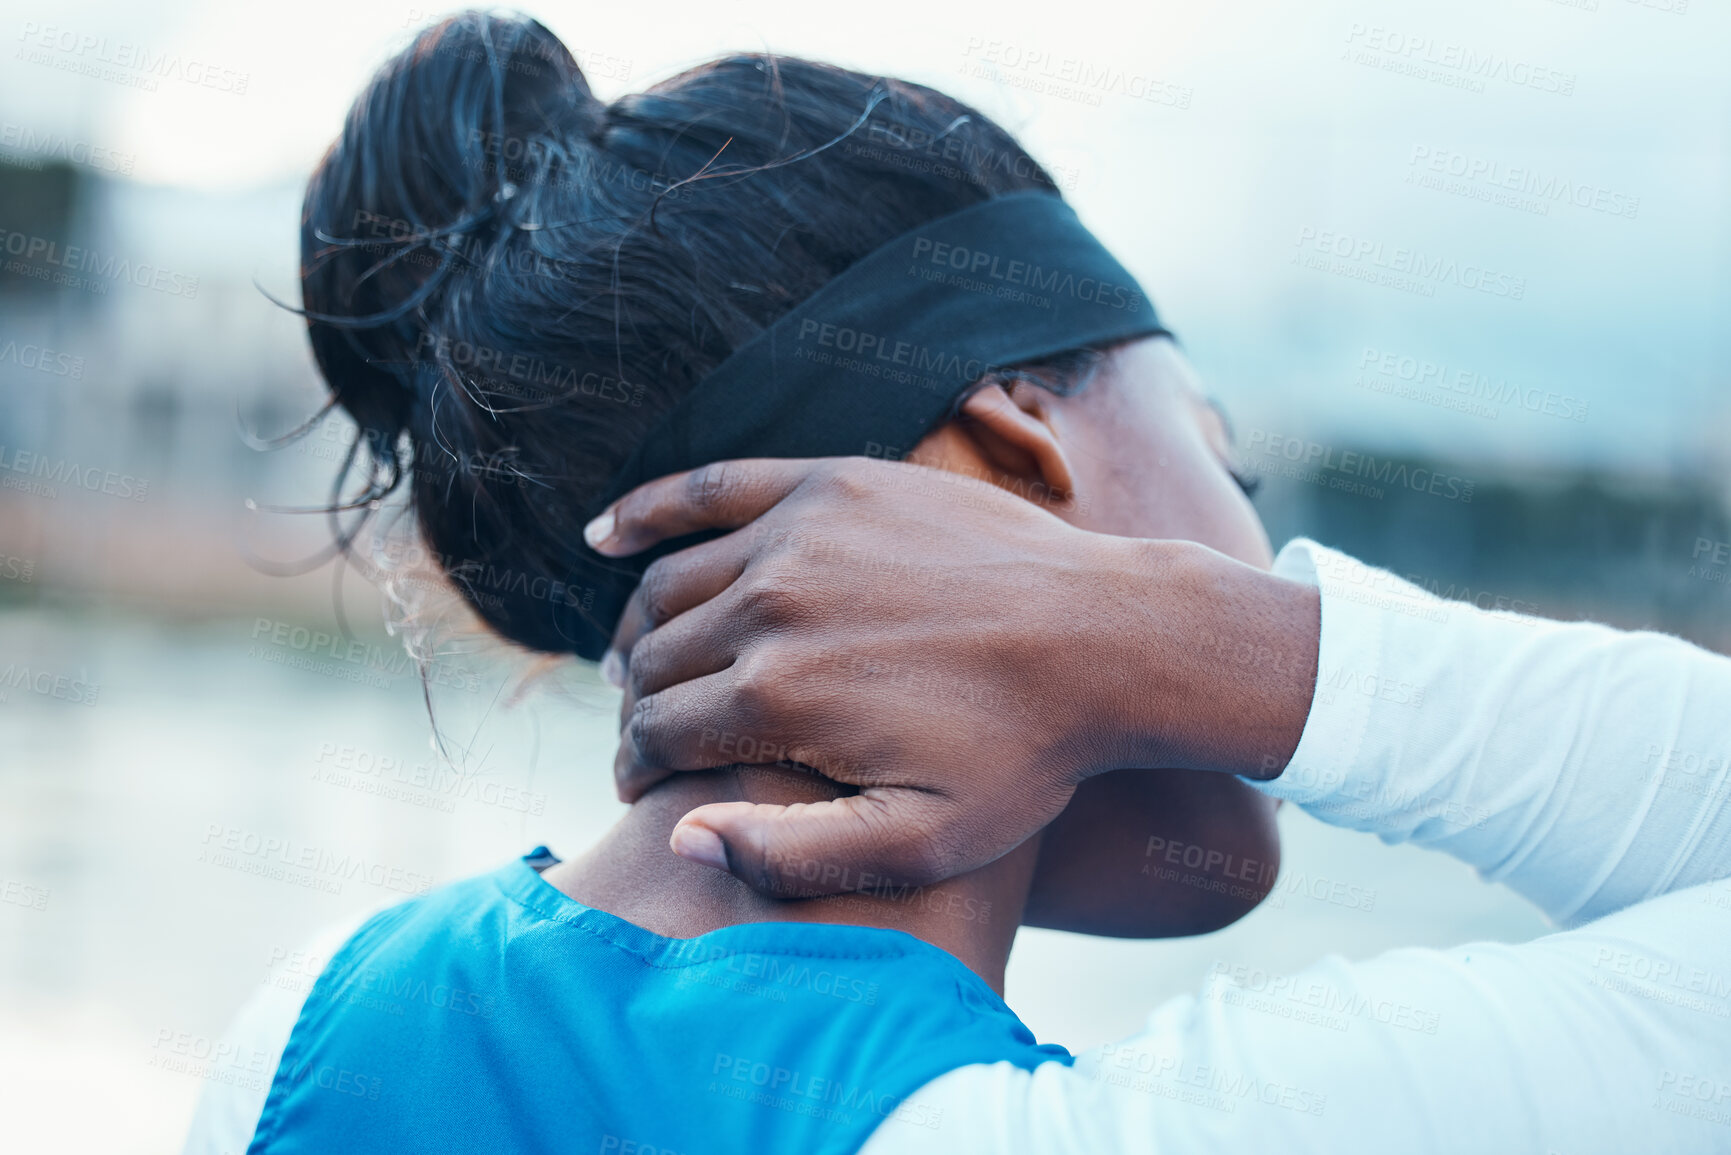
[{"x": 1349, "y": 675}]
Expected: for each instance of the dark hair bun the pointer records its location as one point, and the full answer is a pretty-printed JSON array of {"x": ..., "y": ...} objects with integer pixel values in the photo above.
[
  {"x": 507, "y": 282},
  {"x": 440, "y": 142}
]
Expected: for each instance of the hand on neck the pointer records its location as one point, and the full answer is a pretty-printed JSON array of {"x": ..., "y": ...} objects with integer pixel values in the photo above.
[{"x": 633, "y": 874}]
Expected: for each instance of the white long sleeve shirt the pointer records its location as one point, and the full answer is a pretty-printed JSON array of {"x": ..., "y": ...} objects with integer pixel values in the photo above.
[{"x": 1583, "y": 767}]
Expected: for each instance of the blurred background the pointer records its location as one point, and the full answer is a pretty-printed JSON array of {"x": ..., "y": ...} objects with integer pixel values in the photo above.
[{"x": 1485, "y": 239}]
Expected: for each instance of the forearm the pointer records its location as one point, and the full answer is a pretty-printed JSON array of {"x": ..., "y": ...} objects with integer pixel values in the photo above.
[
  {"x": 1606, "y": 1039},
  {"x": 1584, "y": 767}
]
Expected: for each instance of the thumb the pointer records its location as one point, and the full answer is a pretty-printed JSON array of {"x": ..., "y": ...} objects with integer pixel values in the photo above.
[{"x": 883, "y": 837}]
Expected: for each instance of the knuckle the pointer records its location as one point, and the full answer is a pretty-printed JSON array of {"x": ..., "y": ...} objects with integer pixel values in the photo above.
[
  {"x": 851, "y": 481},
  {"x": 800, "y": 550},
  {"x": 772, "y": 598},
  {"x": 653, "y": 590},
  {"x": 647, "y": 732},
  {"x": 758, "y": 677},
  {"x": 640, "y": 671},
  {"x": 629, "y": 776},
  {"x": 637, "y": 508},
  {"x": 798, "y": 543},
  {"x": 708, "y": 486}
]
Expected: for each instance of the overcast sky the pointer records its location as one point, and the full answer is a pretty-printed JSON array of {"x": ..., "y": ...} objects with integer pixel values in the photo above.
[{"x": 1266, "y": 168}]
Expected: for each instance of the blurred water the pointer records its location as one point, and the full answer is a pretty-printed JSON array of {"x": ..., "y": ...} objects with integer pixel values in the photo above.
[
  {"x": 203, "y": 737},
  {"x": 1263, "y": 188}
]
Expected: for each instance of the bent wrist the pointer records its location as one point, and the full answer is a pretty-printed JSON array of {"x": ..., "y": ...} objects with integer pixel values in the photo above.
[{"x": 1213, "y": 661}]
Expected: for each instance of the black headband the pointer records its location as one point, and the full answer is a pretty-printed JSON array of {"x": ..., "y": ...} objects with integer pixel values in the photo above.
[{"x": 876, "y": 358}]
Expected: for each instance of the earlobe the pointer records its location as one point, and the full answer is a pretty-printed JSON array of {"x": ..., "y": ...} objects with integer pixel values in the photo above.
[{"x": 1013, "y": 432}]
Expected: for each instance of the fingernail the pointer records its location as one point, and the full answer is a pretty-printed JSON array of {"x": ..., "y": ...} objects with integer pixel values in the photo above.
[
  {"x": 699, "y": 844},
  {"x": 613, "y": 669},
  {"x": 598, "y": 531}
]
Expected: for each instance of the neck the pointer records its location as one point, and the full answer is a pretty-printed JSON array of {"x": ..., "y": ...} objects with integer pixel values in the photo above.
[{"x": 631, "y": 873}]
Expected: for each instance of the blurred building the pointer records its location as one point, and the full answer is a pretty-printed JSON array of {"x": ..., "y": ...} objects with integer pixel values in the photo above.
[{"x": 138, "y": 343}]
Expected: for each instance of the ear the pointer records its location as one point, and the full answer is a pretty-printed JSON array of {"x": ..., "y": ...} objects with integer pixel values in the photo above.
[{"x": 1013, "y": 434}]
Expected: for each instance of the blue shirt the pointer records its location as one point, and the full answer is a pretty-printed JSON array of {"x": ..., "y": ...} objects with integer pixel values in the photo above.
[{"x": 499, "y": 1014}]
